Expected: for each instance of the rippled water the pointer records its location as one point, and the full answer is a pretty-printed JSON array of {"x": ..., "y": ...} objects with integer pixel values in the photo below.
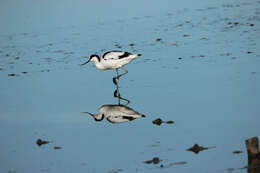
[{"x": 199, "y": 68}]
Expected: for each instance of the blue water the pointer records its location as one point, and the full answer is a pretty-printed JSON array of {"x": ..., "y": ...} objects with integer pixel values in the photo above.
[{"x": 203, "y": 75}]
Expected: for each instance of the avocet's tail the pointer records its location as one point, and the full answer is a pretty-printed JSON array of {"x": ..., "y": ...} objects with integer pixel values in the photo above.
[{"x": 135, "y": 55}]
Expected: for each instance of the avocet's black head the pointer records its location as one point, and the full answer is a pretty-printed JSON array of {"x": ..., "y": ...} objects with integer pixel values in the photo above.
[
  {"x": 97, "y": 117},
  {"x": 94, "y": 58}
]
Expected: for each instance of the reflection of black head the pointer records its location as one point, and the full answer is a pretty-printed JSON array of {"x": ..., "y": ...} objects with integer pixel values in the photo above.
[
  {"x": 129, "y": 118},
  {"x": 102, "y": 117},
  {"x": 95, "y": 116}
]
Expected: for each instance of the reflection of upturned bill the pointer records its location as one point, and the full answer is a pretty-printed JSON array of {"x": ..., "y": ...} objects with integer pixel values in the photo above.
[{"x": 116, "y": 113}]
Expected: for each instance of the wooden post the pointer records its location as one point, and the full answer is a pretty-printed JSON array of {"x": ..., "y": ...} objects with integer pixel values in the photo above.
[{"x": 253, "y": 154}]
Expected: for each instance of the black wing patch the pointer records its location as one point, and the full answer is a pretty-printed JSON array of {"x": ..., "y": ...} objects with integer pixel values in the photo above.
[
  {"x": 126, "y": 54},
  {"x": 109, "y": 52},
  {"x": 128, "y": 118}
]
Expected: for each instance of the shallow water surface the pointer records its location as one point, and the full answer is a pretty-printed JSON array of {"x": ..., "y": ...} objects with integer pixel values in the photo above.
[{"x": 199, "y": 69}]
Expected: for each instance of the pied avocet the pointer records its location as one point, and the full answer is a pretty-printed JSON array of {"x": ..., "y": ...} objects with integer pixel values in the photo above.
[{"x": 113, "y": 60}]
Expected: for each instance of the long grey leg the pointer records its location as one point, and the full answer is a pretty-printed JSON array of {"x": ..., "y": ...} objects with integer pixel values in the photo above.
[
  {"x": 125, "y": 72},
  {"x": 116, "y": 78},
  {"x": 117, "y": 94},
  {"x": 117, "y": 72}
]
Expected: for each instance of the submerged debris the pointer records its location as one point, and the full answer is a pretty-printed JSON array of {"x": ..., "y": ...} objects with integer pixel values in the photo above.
[
  {"x": 155, "y": 160},
  {"x": 186, "y": 35},
  {"x": 237, "y": 152},
  {"x": 12, "y": 74},
  {"x": 172, "y": 164},
  {"x": 158, "y": 39},
  {"x": 40, "y": 142},
  {"x": 158, "y": 122},
  {"x": 196, "y": 148}
]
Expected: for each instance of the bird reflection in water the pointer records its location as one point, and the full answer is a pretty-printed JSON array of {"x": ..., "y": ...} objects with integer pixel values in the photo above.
[{"x": 116, "y": 113}]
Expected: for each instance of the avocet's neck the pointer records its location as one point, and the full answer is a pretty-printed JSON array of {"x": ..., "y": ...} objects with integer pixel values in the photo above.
[{"x": 95, "y": 58}]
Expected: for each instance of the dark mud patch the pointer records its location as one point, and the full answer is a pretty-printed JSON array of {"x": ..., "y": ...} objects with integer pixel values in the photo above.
[
  {"x": 159, "y": 40},
  {"x": 57, "y": 148},
  {"x": 12, "y": 74},
  {"x": 237, "y": 152},
  {"x": 172, "y": 164},
  {"x": 186, "y": 35},
  {"x": 199, "y": 56},
  {"x": 155, "y": 160},
  {"x": 159, "y": 121},
  {"x": 196, "y": 148},
  {"x": 40, "y": 142}
]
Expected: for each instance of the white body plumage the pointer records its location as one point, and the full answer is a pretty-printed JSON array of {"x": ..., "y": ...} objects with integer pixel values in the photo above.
[
  {"x": 116, "y": 113},
  {"x": 112, "y": 59}
]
